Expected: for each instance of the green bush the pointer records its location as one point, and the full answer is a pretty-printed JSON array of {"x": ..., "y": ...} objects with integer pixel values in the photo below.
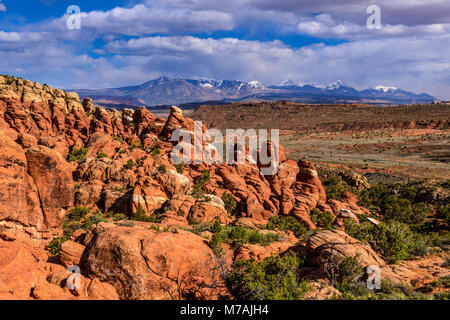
[
  {"x": 119, "y": 216},
  {"x": 393, "y": 240},
  {"x": 129, "y": 165},
  {"x": 216, "y": 227},
  {"x": 155, "y": 228},
  {"x": 192, "y": 221},
  {"x": 69, "y": 227},
  {"x": 322, "y": 219},
  {"x": 94, "y": 219},
  {"x": 237, "y": 236},
  {"x": 444, "y": 213},
  {"x": 333, "y": 184},
  {"x": 141, "y": 215},
  {"x": 200, "y": 182},
  {"x": 179, "y": 167},
  {"x": 274, "y": 278},
  {"x": 230, "y": 202},
  {"x": 136, "y": 146},
  {"x": 102, "y": 155},
  {"x": 350, "y": 269},
  {"x": 116, "y": 138},
  {"x": 288, "y": 223},
  {"x": 162, "y": 169},
  {"x": 404, "y": 203},
  {"x": 77, "y": 154},
  {"x": 78, "y": 213},
  {"x": 54, "y": 247},
  {"x": 155, "y": 151}
]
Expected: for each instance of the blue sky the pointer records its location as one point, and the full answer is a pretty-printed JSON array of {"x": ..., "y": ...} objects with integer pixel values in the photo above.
[{"x": 130, "y": 42}]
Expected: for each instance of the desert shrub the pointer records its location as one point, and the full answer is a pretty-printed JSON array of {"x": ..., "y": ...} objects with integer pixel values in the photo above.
[
  {"x": 155, "y": 151},
  {"x": 444, "y": 214},
  {"x": 420, "y": 211},
  {"x": 9, "y": 79},
  {"x": 155, "y": 228},
  {"x": 78, "y": 213},
  {"x": 199, "y": 227},
  {"x": 96, "y": 218},
  {"x": 216, "y": 227},
  {"x": 351, "y": 290},
  {"x": 216, "y": 243},
  {"x": 102, "y": 155},
  {"x": 349, "y": 268},
  {"x": 230, "y": 202},
  {"x": 441, "y": 240},
  {"x": 322, "y": 219},
  {"x": 179, "y": 167},
  {"x": 393, "y": 240},
  {"x": 274, "y": 278},
  {"x": 192, "y": 221},
  {"x": 445, "y": 184},
  {"x": 141, "y": 215},
  {"x": 69, "y": 227},
  {"x": 441, "y": 282},
  {"x": 77, "y": 154},
  {"x": 54, "y": 247},
  {"x": 333, "y": 184},
  {"x": 333, "y": 188},
  {"x": 116, "y": 138},
  {"x": 237, "y": 236},
  {"x": 287, "y": 223},
  {"x": 119, "y": 216},
  {"x": 441, "y": 296},
  {"x": 200, "y": 182},
  {"x": 402, "y": 202},
  {"x": 129, "y": 165},
  {"x": 136, "y": 146},
  {"x": 162, "y": 168}
]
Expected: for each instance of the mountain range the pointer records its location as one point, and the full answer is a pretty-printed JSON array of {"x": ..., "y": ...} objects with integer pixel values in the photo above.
[{"x": 175, "y": 91}]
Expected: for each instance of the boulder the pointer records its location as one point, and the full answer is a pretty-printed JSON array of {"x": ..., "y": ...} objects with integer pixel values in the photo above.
[
  {"x": 174, "y": 183},
  {"x": 331, "y": 246},
  {"x": 70, "y": 253},
  {"x": 146, "y": 264}
]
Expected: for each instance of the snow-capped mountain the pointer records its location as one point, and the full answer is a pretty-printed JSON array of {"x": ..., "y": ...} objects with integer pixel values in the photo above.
[
  {"x": 385, "y": 89},
  {"x": 164, "y": 90}
]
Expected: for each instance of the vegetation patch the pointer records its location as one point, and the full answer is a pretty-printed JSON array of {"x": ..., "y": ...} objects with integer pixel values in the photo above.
[
  {"x": 274, "y": 278},
  {"x": 230, "y": 202},
  {"x": 237, "y": 236},
  {"x": 77, "y": 154},
  {"x": 322, "y": 219},
  {"x": 288, "y": 223}
]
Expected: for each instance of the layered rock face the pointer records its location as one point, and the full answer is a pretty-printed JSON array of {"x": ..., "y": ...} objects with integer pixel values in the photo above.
[{"x": 57, "y": 153}]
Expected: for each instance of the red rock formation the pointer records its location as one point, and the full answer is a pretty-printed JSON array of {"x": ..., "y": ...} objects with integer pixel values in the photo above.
[
  {"x": 145, "y": 264},
  {"x": 127, "y": 168}
]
